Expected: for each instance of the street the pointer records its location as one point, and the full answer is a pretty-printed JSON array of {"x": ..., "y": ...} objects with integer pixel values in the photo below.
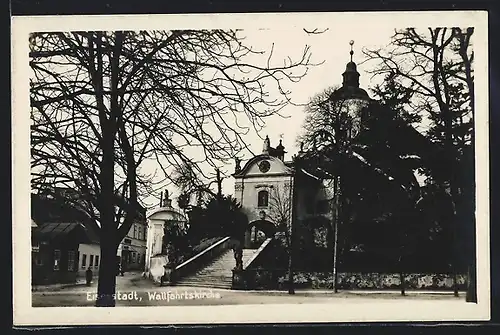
[{"x": 132, "y": 290}]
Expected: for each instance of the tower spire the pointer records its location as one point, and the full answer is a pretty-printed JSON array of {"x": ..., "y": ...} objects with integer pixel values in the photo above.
[
  {"x": 351, "y": 75},
  {"x": 351, "y": 43}
]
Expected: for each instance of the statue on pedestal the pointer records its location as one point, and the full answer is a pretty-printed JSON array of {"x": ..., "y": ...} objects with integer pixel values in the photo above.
[
  {"x": 238, "y": 255},
  {"x": 165, "y": 198},
  {"x": 237, "y": 167},
  {"x": 267, "y": 145},
  {"x": 239, "y": 224}
]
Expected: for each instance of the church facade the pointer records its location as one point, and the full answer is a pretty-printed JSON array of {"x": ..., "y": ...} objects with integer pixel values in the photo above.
[{"x": 265, "y": 188}]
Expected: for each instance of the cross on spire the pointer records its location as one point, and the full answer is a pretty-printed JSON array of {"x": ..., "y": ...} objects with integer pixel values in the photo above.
[{"x": 351, "y": 43}]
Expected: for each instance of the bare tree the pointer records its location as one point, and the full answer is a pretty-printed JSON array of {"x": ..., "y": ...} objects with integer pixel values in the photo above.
[
  {"x": 317, "y": 117},
  {"x": 280, "y": 213},
  {"x": 104, "y": 104},
  {"x": 435, "y": 65}
]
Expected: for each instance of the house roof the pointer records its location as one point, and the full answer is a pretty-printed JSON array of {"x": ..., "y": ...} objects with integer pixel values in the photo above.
[{"x": 56, "y": 230}]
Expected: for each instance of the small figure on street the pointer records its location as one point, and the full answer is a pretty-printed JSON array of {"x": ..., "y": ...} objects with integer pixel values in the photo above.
[
  {"x": 88, "y": 276},
  {"x": 123, "y": 265}
]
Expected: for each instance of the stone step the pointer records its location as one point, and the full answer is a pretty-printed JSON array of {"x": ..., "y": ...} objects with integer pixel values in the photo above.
[
  {"x": 214, "y": 279},
  {"x": 206, "y": 280},
  {"x": 218, "y": 273},
  {"x": 222, "y": 272},
  {"x": 207, "y": 285},
  {"x": 213, "y": 274}
]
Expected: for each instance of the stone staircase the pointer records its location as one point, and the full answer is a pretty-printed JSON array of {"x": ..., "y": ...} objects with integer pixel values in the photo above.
[{"x": 217, "y": 274}]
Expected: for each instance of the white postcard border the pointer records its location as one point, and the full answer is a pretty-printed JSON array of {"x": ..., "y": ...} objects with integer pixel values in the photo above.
[{"x": 351, "y": 311}]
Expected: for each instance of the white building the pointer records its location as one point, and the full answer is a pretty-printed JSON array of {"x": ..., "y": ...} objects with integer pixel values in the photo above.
[
  {"x": 132, "y": 249},
  {"x": 88, "y": 258},
  {"x": 157, "y": 219}
]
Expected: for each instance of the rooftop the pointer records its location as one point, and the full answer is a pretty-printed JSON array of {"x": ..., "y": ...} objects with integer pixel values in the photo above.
[{"x": 58, "y": 230}]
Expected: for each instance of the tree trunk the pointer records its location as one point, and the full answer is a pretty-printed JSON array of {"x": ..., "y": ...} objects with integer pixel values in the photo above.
[
  {"x": 291, "y": 289},
  {"x": 450, "y": 151},
  {"x": 109, "y": 227},
  {"x": 402, "y": 276},
  {"x": 335, "y": 231},
  {"x": 106, "y": 288}
]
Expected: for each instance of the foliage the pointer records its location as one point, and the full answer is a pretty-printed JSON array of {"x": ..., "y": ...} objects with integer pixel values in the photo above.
[
  {"x": 175, "y": 243},
  {"x": 218, "y": 217},
  {"x": 224, "y": 215},
  {"x": 183, "y": 200}
]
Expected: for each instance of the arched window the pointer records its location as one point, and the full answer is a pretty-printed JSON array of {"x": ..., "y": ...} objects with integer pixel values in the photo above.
[{"x": 262, "y": 199}]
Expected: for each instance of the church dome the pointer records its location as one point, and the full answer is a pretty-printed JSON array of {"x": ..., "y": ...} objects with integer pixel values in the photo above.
[
  {"x": 350, "y": 85},
  {"x": 349, "y": 92}
]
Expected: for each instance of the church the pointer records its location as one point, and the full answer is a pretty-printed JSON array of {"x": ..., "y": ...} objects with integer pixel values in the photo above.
[
  {"x": 268, "y": 184},
  {"x": 295, "y": 199}
]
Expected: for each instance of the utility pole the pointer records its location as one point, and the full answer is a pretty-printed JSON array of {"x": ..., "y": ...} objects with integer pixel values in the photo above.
[
  {"x": 293, "y": 187},
  {"x": 336, "y": 230}
]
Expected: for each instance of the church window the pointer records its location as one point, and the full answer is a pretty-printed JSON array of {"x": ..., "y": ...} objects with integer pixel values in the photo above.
[{"x": 262, "y": 199}]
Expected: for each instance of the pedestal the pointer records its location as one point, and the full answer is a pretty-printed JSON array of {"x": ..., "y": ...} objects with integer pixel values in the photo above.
[{"x": 238, "y": 281}]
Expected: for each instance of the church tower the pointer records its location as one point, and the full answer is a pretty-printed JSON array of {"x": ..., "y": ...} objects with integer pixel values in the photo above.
[{"x": 350, "y": 97}]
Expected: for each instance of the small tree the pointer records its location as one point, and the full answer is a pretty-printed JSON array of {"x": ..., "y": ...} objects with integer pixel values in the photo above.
[
  {"x": 174, "y": 243},
  {"x": 280, "y": 212},
  {"x": 220, "y": 214},
  {"x": 183, "y": 200}
]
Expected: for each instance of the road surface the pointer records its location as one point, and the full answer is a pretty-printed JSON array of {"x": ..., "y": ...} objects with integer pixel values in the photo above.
[{"x": 132, "y": 290}]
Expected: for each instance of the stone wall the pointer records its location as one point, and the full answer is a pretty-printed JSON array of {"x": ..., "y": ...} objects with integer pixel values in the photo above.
[{"x": 350, "y": 281}]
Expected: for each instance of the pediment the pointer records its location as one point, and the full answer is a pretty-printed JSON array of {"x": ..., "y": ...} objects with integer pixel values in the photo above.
[
  {"x": 166, "y": 214},
  {"x": 263, "y": 165}
]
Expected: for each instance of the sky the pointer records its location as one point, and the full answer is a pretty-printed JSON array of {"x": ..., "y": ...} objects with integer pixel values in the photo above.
[{"x": 331, "y": 49}]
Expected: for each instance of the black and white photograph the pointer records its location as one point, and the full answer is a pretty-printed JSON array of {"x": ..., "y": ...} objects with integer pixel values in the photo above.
[{"x": 236, "y": 168}]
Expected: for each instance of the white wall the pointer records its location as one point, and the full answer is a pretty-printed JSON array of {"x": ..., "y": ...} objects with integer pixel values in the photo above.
[
  {"x": 156, "y": 222},
  {"x": 89, "y": 250},
  {"x": 273, "y": 185},
  {"x": 277, "y": 180}
]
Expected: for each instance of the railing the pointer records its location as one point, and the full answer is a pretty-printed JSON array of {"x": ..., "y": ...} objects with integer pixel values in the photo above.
[
  {"x": 199, "y": 260},
  {"x": 252, "y": 259},
  {"x": 243, "y": 279}
]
